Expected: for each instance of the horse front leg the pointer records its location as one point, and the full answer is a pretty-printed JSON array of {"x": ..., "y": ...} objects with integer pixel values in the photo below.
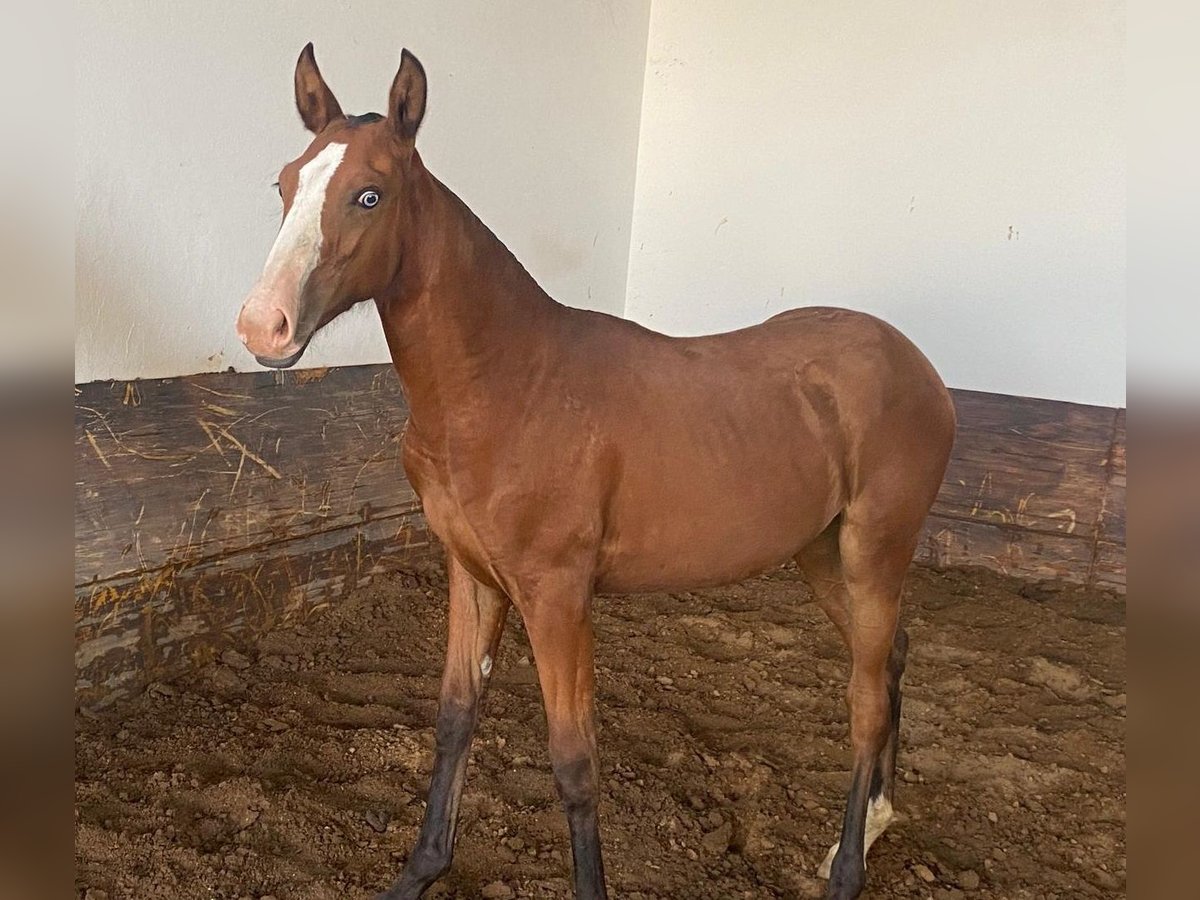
[
  {"x": 476, "y": 622},
  {"x": 559, "y": 626}
]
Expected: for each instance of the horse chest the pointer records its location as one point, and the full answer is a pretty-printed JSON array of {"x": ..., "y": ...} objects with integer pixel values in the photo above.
[{"x": 444, "y": 510}]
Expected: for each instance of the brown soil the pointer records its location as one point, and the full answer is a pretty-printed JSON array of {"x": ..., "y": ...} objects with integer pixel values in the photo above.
[{"x": 296, "y": 769}]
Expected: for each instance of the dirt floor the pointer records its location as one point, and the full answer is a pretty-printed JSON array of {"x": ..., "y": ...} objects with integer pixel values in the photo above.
[{"x": 296, "y": 769}]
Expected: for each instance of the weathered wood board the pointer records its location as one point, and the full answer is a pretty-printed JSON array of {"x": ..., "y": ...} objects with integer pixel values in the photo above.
[
  {"x": 181, "y": 470},
  {"x": 209, "y": 507},
  {"x": 213, "y": 505},
  {"x": 144, "y": 625},
  {"x": 1035, "y": 488}
]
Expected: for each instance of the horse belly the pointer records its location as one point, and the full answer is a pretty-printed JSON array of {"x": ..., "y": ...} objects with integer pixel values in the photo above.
[{"x": 694, "y": 526}]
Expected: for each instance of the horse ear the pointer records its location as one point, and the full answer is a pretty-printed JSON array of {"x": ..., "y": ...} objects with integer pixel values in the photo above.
[
  {"x": 315, "y": 101},
  {"x": 406, "y": 102}
]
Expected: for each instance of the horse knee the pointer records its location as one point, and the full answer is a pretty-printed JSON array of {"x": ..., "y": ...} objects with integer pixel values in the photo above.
[
  {"x": 575, "y": 780},
  {"x": 455, "y": 725}
]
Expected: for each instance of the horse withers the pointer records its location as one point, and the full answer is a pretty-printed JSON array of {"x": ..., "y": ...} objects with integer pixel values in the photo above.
[{"x": 560, "y": 452}]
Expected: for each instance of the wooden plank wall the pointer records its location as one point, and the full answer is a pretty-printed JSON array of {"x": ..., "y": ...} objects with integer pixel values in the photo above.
[
  {"x": 1035, "y": 488},
  {"x": 209, "y": 507},
  {"x": 214, "y": 505}
]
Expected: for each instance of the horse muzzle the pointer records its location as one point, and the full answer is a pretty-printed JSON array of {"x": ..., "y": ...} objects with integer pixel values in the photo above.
[
  {"x": 284, "y": 363},
  {"x": 268, "y": 327}
]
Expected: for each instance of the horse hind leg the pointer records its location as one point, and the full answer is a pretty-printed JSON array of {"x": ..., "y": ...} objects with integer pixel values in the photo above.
[
  {"x": 865, "y": 615},
  {"x": 881, "y": 796}
]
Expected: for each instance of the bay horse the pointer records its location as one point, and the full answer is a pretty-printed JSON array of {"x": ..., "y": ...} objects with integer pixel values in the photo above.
[{"x": 559, "y": 453}]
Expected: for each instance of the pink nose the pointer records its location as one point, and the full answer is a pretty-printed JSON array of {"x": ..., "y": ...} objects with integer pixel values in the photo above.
[{"x": 266, "y": 332}]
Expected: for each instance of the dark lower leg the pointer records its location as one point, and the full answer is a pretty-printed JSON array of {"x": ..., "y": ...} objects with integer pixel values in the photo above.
[
  {"x": 873, "y": 721},
  {"x": 476, "y": 622},
  {"x": 879, "y": 812},
  {"x": 848, "y": 875},
  {"x": 431, "y": 857},
  {"x": 563, "y": 644},
  {"x": 578, "y": 785}
]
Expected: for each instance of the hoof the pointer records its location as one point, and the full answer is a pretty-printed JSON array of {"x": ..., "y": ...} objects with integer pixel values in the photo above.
[
  {"x": 846, "y": 888},
  {"x": 879, "y": 816},
  {"x": 407, "y": 892}
]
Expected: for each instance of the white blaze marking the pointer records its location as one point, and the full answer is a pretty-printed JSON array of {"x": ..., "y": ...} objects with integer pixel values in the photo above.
[
  {"x": 297, "y": 247},
  {"x": 879, "y": 817}
]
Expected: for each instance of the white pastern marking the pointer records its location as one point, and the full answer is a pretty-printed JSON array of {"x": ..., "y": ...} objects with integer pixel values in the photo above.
[
  {"x": 297, "y": 247},
  {"x": 879, "y": 817},
  {"x": 486, "y": 666}
]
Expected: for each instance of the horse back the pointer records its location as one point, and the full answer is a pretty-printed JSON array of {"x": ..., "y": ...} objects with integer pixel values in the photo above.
[{"x": 726, "y": 454}]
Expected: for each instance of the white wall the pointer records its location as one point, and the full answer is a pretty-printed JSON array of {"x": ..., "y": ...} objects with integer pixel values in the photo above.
[
  {"x": 876, "y": 155},
  {"x": 184, "y": 113},
  {"x": 872, "y": 155}
]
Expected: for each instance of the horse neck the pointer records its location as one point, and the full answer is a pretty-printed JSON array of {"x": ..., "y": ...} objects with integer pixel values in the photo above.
[{"x": 466, "y": 321}]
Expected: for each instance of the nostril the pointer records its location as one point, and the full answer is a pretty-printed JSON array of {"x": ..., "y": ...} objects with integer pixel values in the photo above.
[{"x": 280, "y": 329}]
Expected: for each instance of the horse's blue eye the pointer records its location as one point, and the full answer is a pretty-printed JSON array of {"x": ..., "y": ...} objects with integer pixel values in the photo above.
[{"x": 368, "y": 199}]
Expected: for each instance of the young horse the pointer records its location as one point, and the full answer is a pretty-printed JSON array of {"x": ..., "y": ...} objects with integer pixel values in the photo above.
[{"x": 559, "y": 452}]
